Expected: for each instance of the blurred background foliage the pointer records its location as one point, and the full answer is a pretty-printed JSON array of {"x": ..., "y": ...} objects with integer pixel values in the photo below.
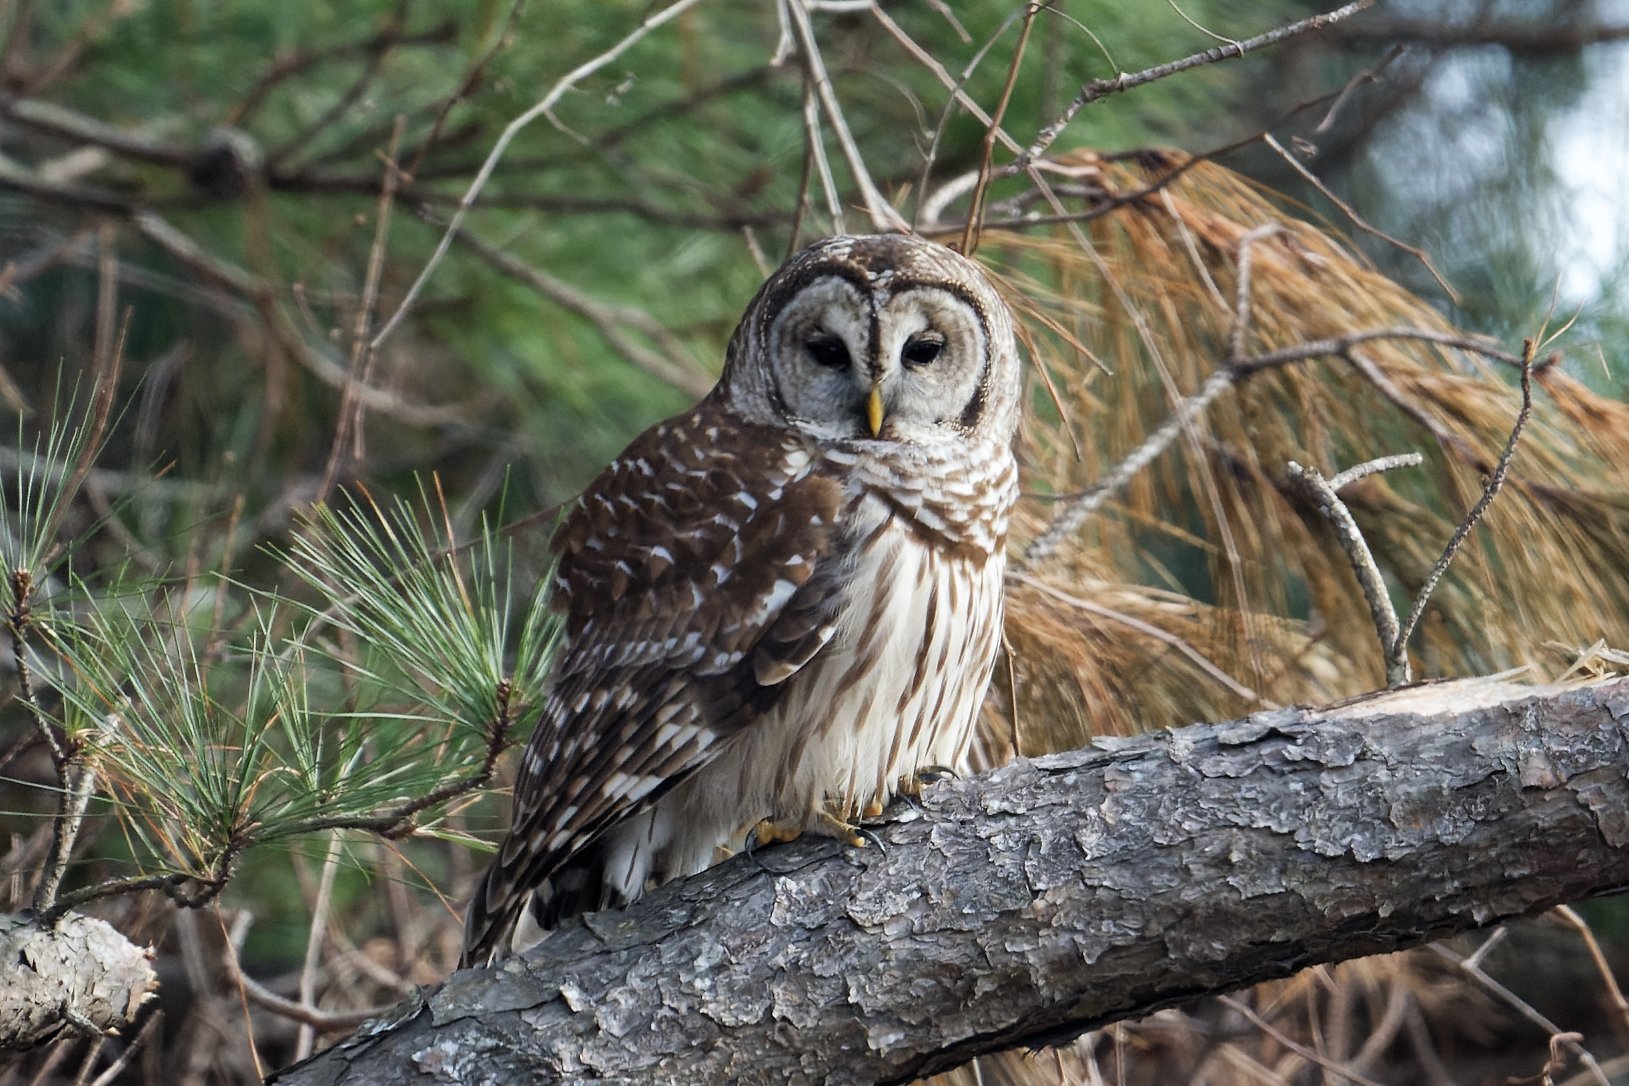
[{"x": 206, "y": 192}]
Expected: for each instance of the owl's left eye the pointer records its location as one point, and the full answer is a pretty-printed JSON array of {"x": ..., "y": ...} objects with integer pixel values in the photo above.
[{"x": 921, "y": 350}]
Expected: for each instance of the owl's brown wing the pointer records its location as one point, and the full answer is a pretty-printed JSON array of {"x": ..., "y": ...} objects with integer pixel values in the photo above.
[{"x": 697, "y": 574}]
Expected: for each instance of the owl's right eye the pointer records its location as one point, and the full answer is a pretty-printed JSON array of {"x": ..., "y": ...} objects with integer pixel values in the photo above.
[{"x": 828, "y": 351}]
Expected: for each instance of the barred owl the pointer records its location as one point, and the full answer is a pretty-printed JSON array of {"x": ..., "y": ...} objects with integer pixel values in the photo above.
[{"x": 782, "y": 604}]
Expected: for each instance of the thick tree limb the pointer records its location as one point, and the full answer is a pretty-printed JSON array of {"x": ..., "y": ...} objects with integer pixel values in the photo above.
[
  {"x": 1057, "y": 895},
  {"x": 78, "y": 973}
]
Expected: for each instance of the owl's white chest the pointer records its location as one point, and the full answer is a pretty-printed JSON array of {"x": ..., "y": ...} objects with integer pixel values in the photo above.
[
  {"x": 897, "y": 689},
  {"x": 900, "y": 686}
]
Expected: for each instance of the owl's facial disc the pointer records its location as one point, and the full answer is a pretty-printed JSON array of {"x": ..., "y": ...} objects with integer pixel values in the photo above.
[{"x": 880, "y": 363}]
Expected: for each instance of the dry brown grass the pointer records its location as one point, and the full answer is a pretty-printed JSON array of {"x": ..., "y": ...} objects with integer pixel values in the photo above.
[{"x": 1203, "y": 590}]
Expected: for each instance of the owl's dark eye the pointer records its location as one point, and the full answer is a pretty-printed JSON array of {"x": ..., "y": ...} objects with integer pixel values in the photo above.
[
  {"x": 828, "y": 351},
  {"x": 920, "y": 351}
]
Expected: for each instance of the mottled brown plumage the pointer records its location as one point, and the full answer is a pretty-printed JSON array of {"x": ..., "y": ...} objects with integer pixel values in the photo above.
[{"x": 781, "y": 603}]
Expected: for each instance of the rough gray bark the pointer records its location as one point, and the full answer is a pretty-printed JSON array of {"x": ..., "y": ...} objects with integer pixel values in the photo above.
[
  {"x": 80, "y": 973},
  {"x": 1056, "y": 895}
]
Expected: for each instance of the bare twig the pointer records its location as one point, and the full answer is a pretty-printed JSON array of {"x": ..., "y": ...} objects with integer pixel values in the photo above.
[
  {"x": 307, "y": 1036},
  {"x": 1241, "y": 292},
  {"x": 1077, "y": 508},
  {"x": 1102, "y": 88},
  {"x": 882, "y": 213},
  {"x": 319, "y": 1020},
  {"x": 348, "y": 429},
  {"x": 1567, "y": 915},
  {"x": 613, "y": 322},
  {"x": 816, "y": 162},
  {"x": 1357, "y": 220},
  {"x": 78, "y": 777},
  {"x": 1373, "y": 467},
  {"x": 975, "y": 214},
  {"x": 1296, "y": 1046},
  {"x": 66, "y": 124},
  {"x": 375, "y": 59},
  {"x": 111, "y": 1072},
  {"x": 948, "y": 81},
  {"x": 1067, "y": 521},
  {"x": 1489, "y": 492},
  {"x": 540, "y": 108},
  {"x": 1318, "y": 491},
  {"x": 1526, "y": 1010},
  {"x": 472, "y": 79},
  {"x": 1149, "y": 630},
  {"x": 1339, "y": 345},
  {"x": 19, "y": 621},
  {"x": 294, "y": 63},
  {"x": 1362, "y": 78}
]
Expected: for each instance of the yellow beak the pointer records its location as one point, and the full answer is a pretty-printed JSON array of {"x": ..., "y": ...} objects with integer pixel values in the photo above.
[{"x": 873, "y": 410}]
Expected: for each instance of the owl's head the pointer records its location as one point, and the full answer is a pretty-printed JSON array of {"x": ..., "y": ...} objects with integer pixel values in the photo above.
[{"x": 884, "y": 338}]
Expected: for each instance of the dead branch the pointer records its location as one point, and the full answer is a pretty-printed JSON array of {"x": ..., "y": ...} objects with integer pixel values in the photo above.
[
  {"x": 1098, "y": 89},
  {"x": 1058, "y": 895},
  {"x": 1536, "y": 40}
]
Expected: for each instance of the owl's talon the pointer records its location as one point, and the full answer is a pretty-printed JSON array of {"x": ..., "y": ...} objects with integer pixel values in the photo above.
[
  {"x": 925, "y": 775},
  {"x": 873, "y": 809},
  {"x": 843, "y": 831},
  {"x": 770, "y": 832}
]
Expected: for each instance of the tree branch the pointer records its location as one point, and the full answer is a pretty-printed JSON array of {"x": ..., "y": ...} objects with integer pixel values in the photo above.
[{"x": 1029, "y": 905}]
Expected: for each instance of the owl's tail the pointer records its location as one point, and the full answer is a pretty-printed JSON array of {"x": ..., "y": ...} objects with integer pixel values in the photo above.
[{"x": 504, "y": 919}]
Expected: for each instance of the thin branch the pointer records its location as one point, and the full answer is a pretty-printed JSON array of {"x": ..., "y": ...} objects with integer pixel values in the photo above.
[
  {"x": 1295, "y": 1046},
  {"x": 1340, "y": 345},
  {"x": 814, "y": 150},
  {"x": 882, "y": 213},
  {"x": 1374, "y": 467},
  {"x": 19, "y": 620},
  {"x": 360, "y": 371},
  {"x": 613, "y": 322},
  {"x": 472, "y": 79},
  {"x": 1359, "y": 221},
  {"x": 1101, "y": 88},
  {"x": 187, "y": 891},
  {"x": 1164, "y": 637},
  {"x": 542, "y": 107},
  {"x": 1538, "y": 39},
  {"x": 375, "y": 60},
  {"x": 128, "y": 1052},
  {"x": 307, "y": 1036},
  {"x": 398, "y": 822},
  {"x": 292, "y": 64},
  {"x": 1567, "y": 915},
  {"x": 15, "y": 175},
  {"x": 79, "y": 781},
  {"x": 1080, "y": 507},
  {"x": 78, "y": 128},
  {"x": 320, "y": 1020},
  {"x": 948, "y": 81},
  {"x": 1383, "y": 384},
  {"x": 1241, "y": 293},
  {"x": 1319, "y": 492},
  {"x": 1525, "y": 1009},
  {"x": 975, "y": 214},
  {"x": 1489, "y": 492},
  {"x": 1106, "y": 204}
]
